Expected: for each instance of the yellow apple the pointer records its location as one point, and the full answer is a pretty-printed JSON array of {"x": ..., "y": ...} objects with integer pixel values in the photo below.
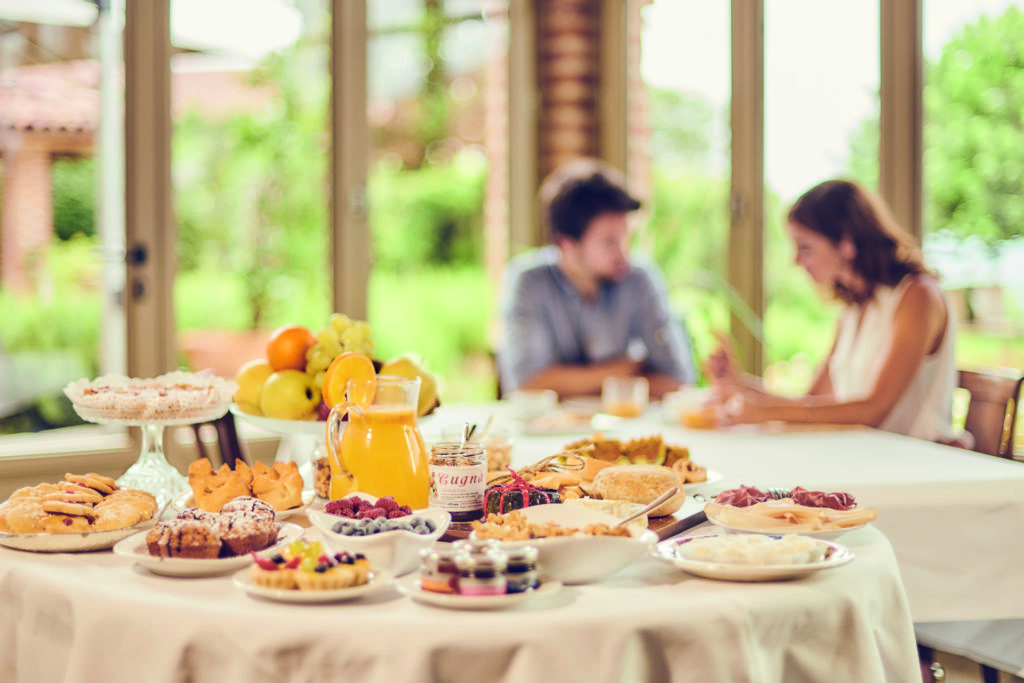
[
  {"x": 289, "y": 395},
  {"x": 250, "y": 380}
]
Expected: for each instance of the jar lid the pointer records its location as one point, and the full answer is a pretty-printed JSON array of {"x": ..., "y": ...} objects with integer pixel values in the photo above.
[
  {"x": 494, "y": 560},
  {"x": 439, "y": 553},
  {"x": 456, "y": 449}
]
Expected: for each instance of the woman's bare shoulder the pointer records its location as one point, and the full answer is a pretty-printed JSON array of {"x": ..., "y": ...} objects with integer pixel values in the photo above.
[{"x": 923, "y": 293}]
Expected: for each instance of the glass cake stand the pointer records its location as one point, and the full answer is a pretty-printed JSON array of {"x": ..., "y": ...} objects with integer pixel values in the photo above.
[{"x": 151, "y": 472}]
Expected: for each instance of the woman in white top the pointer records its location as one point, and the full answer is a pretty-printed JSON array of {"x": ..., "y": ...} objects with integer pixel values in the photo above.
[{"x": 892, "y": 363}]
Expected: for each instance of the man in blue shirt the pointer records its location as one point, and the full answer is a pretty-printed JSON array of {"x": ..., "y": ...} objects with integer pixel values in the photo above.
[{"x": 578, "y": 311}]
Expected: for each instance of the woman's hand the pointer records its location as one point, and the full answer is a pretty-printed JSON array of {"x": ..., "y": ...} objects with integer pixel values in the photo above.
[{"x": 721, "y": 366}]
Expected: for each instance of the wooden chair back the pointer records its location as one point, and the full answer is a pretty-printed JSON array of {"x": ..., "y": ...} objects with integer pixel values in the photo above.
[
  {"x": 992, "y": 411},
  {"x": 228, "y": 443}
]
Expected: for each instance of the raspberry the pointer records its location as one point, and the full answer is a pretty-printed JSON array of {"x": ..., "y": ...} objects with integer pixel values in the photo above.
[
  {"x": 365, "y": 504},
  {"x": 388, "y": 503},
  {"x": 264, "y": 563},
  {"x": 405, "y": 509},
  {"x": 393, "y": 514},
  {"x": 373, "y": 513}
]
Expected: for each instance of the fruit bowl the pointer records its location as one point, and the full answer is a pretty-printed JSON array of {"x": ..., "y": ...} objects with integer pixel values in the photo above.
[
  {"x": 313, "y": 428},
  {"x": 397, "y": 551}
]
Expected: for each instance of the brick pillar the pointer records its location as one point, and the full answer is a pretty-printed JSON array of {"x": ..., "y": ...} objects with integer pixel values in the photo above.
[
  {"x": 568, "y": 78},
  {"x": 639, "y": 163},
  {"x": 26, "y": 226}
]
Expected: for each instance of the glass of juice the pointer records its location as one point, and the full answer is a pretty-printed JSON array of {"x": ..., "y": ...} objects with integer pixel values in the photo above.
[
  {"x": 381, "y": 450},
  {"x": 624, "y": 396}
]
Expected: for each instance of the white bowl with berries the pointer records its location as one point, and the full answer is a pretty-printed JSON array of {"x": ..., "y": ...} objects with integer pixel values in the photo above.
[{"x": 390, "y": 535}]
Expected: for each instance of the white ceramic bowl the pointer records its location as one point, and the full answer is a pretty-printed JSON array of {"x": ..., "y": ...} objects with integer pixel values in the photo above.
[
  {"x": 397, "y": 551},
  {"x": 582, "y": 559}
]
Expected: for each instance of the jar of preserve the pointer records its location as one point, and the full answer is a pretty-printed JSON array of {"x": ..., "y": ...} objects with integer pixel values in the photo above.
[
  {"x": 438, "y": 572},
  {"x": 482, "y": 573},
  {"x": 475, "y": 546},
  {"x": 458, "y": 478},
  {"x": 521, "y": 569}
]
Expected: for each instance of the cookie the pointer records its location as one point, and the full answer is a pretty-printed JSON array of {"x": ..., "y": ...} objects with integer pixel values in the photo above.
[
  {"x": 33, "y": 491},
  {"x": 81, "y": 495},
  {"x": 73, "y": 509},
  {"x": 92, "y": 481},
  {"x": 116, "y": 517},
  {"x": 104, "y": 480},
  {"x": 66, "y": 524},
  {"x": 25, "y": 516}
]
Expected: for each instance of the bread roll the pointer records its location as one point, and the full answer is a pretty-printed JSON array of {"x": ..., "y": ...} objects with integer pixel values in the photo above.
[{"x": 640, "y": 484}]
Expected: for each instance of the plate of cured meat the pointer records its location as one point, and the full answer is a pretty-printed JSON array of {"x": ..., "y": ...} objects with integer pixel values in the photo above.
[{"x": 820, "y": 514}]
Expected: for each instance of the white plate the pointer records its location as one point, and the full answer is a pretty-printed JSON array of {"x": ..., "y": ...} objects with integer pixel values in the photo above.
[
  {"x": 73, "y": 543},
  {"x": 836, "y": 556},
  {"x": 378, "y": 579},
  {"x": 713, "y": 478},
  {"x": 134, "y": 547},
  {"x": 187, "y": 500},
  {"x": 826, "y": 535},
  {"x": 410, "y": 585}
]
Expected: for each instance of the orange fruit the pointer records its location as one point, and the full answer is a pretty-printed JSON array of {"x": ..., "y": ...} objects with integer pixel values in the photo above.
[
  {"x": 286, "y": 349},
  {"x": 348, "y": 366}
]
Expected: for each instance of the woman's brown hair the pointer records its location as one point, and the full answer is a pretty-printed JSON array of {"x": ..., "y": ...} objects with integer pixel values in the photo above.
[{"x": 885, "y": 253}]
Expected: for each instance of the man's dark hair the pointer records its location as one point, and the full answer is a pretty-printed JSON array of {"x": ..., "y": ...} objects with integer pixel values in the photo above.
[{"x": 579, "y": 191}]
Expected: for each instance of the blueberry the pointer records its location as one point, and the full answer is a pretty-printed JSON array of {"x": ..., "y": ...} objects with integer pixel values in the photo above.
[
  {"x": 429, "y": 523},
  {"x": 338, "y": 527}
]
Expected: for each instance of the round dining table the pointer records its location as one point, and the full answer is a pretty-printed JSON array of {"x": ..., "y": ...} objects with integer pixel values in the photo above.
[{"x": 99, "y": 616}]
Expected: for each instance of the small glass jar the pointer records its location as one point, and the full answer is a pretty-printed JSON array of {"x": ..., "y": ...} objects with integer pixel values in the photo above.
[
  {"x": 438, "y": 571},
  {"x": 458, "y": 478},
  {"x": 482, "y": 573},
  {"x": 521, "y": 569},
  {"x": 475, "y": 546}
]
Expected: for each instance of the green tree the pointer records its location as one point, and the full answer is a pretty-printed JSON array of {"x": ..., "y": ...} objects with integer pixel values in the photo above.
[
  {"x": 973, "y": 134},
  {"x": 74, "y": 197},
  {"x": 251, "y": 193}
]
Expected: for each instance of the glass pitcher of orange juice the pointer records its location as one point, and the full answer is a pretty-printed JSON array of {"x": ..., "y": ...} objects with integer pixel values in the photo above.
[{"x": 381, "y": 451}]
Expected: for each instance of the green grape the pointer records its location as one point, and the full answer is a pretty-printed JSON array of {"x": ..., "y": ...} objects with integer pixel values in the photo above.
[
  {"x": 357, "y": 338},
  {"x": 314, "y": 549},
  {"x": 308, "y": 564},
  {"x": 327, "y": 336},
  {"x": 317, "y": 359},
  {"x": 318, "y": 380},
  {"x": 333, "y": 349},
  {"x": 296, "y": 547},
  {"x": 340, "y": 322}
]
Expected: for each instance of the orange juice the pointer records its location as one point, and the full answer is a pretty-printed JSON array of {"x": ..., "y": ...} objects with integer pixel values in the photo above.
[
  {"x": 624, "y": 409},
  {"x": 384, "y": 455}
]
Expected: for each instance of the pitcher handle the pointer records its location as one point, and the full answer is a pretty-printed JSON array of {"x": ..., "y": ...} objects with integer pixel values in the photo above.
[{"x": 334, "y": 427}]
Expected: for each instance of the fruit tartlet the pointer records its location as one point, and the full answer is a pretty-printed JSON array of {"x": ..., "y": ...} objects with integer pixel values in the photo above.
[{"x": 305, "y": 566}]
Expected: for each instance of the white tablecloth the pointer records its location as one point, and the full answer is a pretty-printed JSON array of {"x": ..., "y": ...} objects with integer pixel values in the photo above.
[
  {"x": 953, "y": 516},
  {"x": 96, "y": 617}
]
